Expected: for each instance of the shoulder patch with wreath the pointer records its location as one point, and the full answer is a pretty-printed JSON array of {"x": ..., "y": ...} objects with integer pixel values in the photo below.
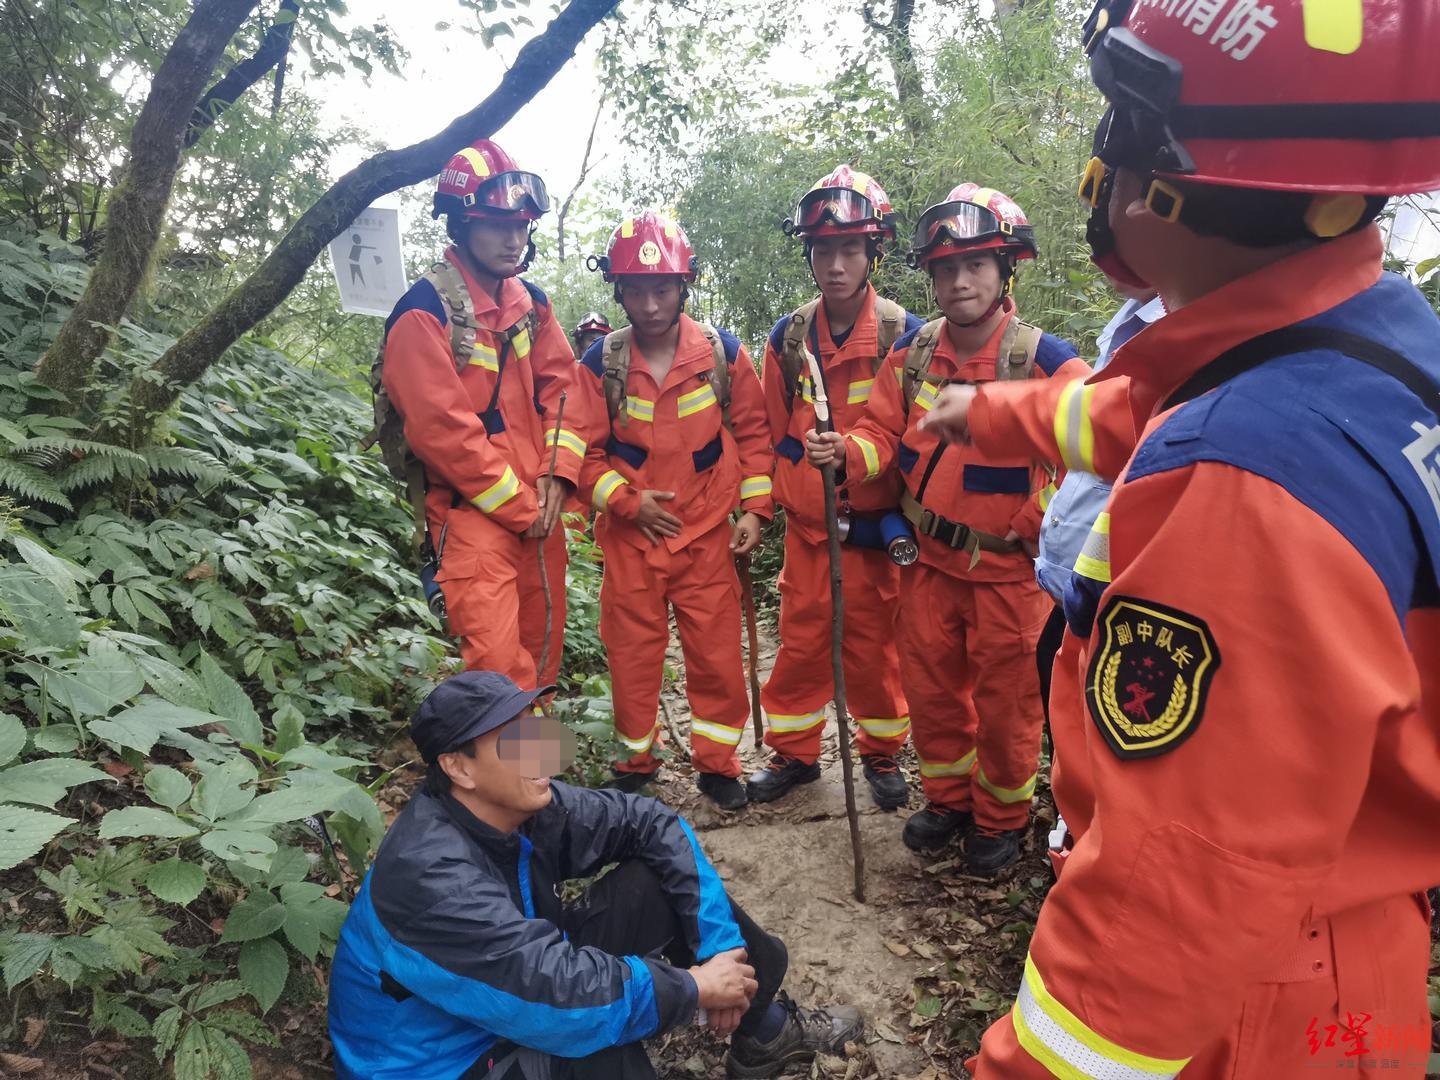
[{"x": 1149, "y": 674}]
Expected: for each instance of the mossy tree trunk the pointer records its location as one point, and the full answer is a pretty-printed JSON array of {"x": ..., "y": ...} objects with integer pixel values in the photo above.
[
  {"x": 154, "y": 390},
  {"x": 136, "y": 209}
]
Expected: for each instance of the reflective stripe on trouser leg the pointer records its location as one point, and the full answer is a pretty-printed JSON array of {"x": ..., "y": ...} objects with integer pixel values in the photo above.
[
  {"x": 798, "y": 689},
  {"x": 635, "y": 632},
  {"x": 872, "y": 665},
  {"x": 1009, "y": 618},
  {"x": 1055, "y": 1037},
  {"x": 705, "y": 594},
  {"x": 936, "y": 671},
  {"x": 479, "y": 575}
]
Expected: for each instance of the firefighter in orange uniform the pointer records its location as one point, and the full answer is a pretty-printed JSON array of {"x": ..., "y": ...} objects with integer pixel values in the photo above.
[
  {"x": 1246, "y": 705},
  {"x": 592, "y": 326},
  {"x": 475, "y": 362},
  {"x": 844, "y": 221},
  {"x": 687, "y": 444},
  {"x": 970, "y": 611}
]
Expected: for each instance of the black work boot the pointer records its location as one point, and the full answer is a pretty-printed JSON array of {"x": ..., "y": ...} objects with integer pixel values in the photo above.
[
  {"x": 629, "y": 782},
  {"x": 806, "y": 1033},
  {"x": 779, "y": 775},
  {"x": 934, "y": 827},
  {"x": 989, "y": 851},
  {"x": 726, "y": 792},
  {"x": 887, "y": 782}
]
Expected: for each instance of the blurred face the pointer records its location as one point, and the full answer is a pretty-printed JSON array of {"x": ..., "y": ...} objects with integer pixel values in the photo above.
[
  {"x": 508, "y": 779},
  {"x": 585, "y": 340},
  {"x": 966, "y": 284},
  {"x": 497, "y": 244},
  {"x": 652, "y": 302},
  {"x": 840, "y": 265}
]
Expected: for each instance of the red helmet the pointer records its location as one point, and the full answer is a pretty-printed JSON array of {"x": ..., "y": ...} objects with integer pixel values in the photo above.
[
  {"x": 649, "y": 243},
  {"x": 1289, "y": 95},
  {"x": 592, "y": 323},
  {"x": 844, "y": 202},
  {"x": 482, "y": 180},
  {"x": 972, "y": 218}
]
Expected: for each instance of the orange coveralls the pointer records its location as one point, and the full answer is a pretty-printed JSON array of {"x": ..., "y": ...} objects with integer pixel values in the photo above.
[
  {"x": 1244, "y": 897},
  {"x": 966, "y": 636},
  {"x": 801, "y": 681},
  {"x": 481, "y": 485},
  {"x": 671, "y": 438}
]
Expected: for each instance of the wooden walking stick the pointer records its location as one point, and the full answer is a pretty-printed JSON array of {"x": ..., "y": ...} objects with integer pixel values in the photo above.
[
  {"x": 747, "y": 597},
  {"x": 824, "y": 423},
  {"x": 540, "y": 548}
]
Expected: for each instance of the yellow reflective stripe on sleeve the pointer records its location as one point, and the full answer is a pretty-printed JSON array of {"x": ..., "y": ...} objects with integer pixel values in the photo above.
[
  {"x": 605, "y": 487},
  {"x": 729, "y": 736},
  {"x": 486, "y": 357},
  {"x": 860, "y": 391},
  {"x": 498, "y": 493},
  {"x": 639, "y": 409},
  {"x": 1055, "y": 1037},
  {"x": 520, "y": 343},
  {"x": 926, "y": 395},
  {"x": 948, "y": 768},
  {"x": 695, "y": 400},
  {"x": 882, "y": 728},
  {"x": 1093, "y": 562},
  {"x": 899, "y": 373},
  {"x": 1073, "y": 432},
  {"x": 869, "y": 453},
  {"x": 568, "y": 439},
  {"x": 1005, "y": 794},
  {"x": 753, "y": 487},
  {"x": 1336, "y": 26},
  {"x": 795, "y": 723},
  {"x": 640, "y": 745},
  {"x": 1045, "y": 494}
]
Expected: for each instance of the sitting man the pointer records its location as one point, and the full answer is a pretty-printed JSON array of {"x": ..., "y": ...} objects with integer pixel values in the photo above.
[{"x": 459, "y": 959}]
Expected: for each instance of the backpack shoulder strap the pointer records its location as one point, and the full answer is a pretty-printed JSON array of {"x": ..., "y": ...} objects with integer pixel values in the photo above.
[
  {"x": 1018, "y": 346},
  {"x": 917, "y": 360},
  {"x": 889, "y": 325},
  {"x": 792, "y": 356},
  {"x": 455, "y": 295},
  {"x": 720, "y": 381},
  {"x": 615, "y": 356}
]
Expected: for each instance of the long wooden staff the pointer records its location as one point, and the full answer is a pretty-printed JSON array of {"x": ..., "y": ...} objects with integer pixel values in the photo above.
[
  {"x": 540, "y": 547},
  {"x": 823, "y": 423},
  {"x": 747, "y": 599}
]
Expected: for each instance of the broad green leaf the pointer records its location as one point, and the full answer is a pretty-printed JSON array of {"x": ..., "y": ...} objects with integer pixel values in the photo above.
[
  {"x": 165, "y": 1028},
  {"x": 316, "y": 758},
  {"x": 25, "y": 832},
  {"x": 12, "y": 738},
  {"x": 24, "y": 956},
  {"x": 139, "y": 726},
  {"x": 174, "y": 684},
  {"x": 264, "y": 968},
  {"x": 93, "y": 685},
  {"x": 234, "y": 845},
  {"x": 257, "y": 916},
  {"x": 168, "y": 787},
  {"x": 68, "y": 576},
  {"x": 143, "y": 821},
  {"x": 228, "y": 1058},
  {"x": 222, "y": 791},
  {"x": 298, "y": 800},
  {"x": 290, "y": 864},
  {"x": 216, "y": 993},
  {"x": 227, "y": 699},
  {"x": 36, "y": 607},
  {"x": 45, "y": 782},
  {"x": 176, "y": 881},
  {"x": 55, "y": 738},
  {"x": 244, "y": 1024},
  {"x": 131, "y": 933},
  {"x": 192, "y": 1055},
  {"x": 289, "y": 725},
  {"x": 114, "y": 1014},
  {"x": 311, "y": 918}
]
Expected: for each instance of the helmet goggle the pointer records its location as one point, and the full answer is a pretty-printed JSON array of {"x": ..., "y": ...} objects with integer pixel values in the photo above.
[
  {"x": 835, "y": 206},
  {"x": 511, "y": 192},
  {"x": 966, "y": 224}
]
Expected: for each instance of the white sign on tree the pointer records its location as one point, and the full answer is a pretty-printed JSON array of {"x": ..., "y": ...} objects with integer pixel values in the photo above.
[{"x": 368, "y": 265}]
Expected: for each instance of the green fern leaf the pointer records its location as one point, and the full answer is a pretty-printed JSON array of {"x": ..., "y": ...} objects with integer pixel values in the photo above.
[{"x": 31, "y": 484}]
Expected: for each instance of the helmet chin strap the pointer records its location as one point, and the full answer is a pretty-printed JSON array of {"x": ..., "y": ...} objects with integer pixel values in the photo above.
[{"x": 1007, "y": 279}]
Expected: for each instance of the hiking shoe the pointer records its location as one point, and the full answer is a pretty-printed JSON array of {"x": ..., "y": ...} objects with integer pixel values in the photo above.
[
  {"x": 806, "y": 1033},
  {"x": 780, "y": 775},
  {"x": 991, "y": 850},
  {"x": 629, "y": 782},
  {"x": 934, "y": 827},
  {"x": 887, "y": 782},
  {"x": 726, "y": 792}
]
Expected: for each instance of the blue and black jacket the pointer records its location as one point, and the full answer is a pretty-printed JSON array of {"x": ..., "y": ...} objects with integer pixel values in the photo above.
[{"x": 453, "y": 941}]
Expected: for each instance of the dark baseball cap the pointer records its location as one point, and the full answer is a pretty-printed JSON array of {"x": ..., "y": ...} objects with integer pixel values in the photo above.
[{"x": 466, "y": 706}]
